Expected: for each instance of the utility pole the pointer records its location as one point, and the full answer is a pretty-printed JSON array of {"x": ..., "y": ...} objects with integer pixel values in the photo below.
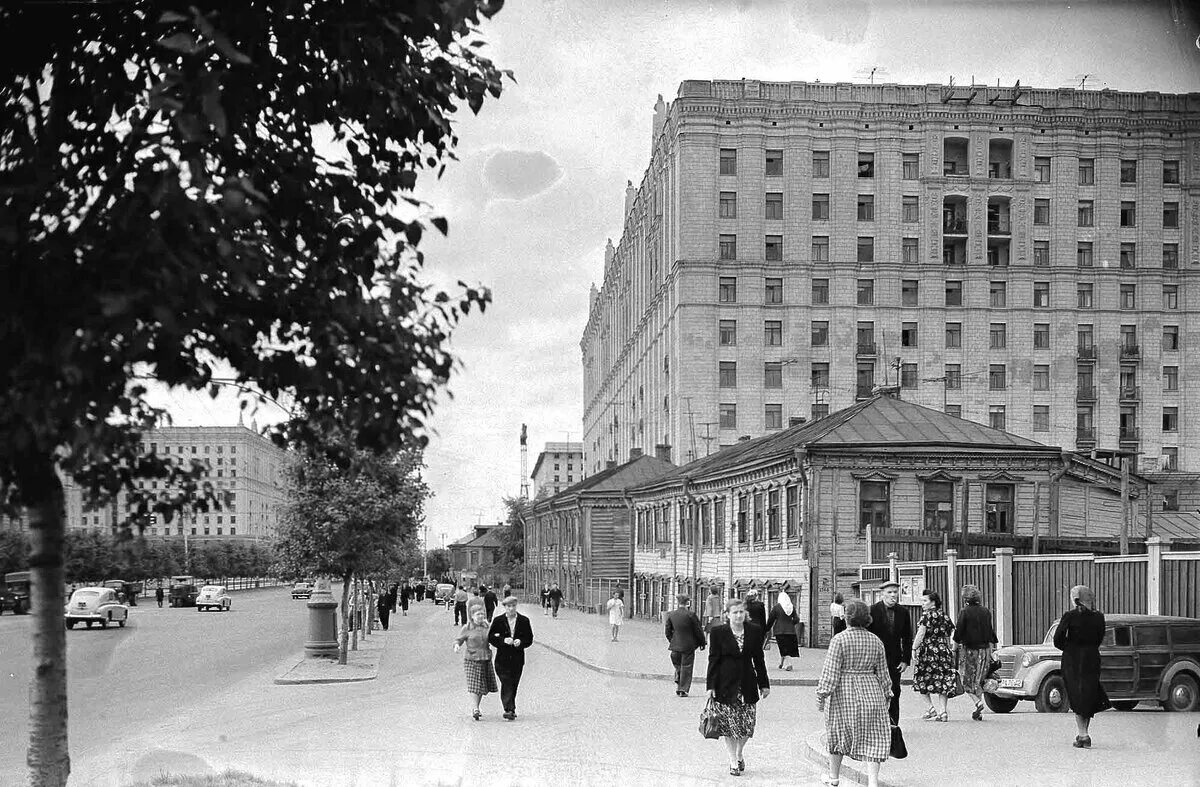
[
  {"x": 691, "y": 424},
  {"x": 1124, "y": 505},
  {"x": 425, "y": 551},
  {"x": 708, "y": 438}
]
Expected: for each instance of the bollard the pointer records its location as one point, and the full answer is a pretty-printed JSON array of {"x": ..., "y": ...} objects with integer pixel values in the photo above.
[{"x": 322, "y": 623}]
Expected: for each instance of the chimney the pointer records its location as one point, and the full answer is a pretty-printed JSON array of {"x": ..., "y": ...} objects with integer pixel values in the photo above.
[
  {"x": 663, "y": 452},
  {"x": 609, "y": 253},
  {"x": 660, "y": 120},
  {"x": 634, "y": 453},
  {"x": 796, "y": 421},
  {"x": 744, "y": 438},
  {"x": 630, "y": 195},
  {"x": 892, "y": 391}
]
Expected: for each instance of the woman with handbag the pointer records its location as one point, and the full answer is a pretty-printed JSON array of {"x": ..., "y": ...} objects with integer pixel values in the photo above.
[
  {"x": 854, "y": 692},
  {"x": 976, "y": 638},
  {"x": 737, "y": 678},
  {"x": 936, "y": 675}
]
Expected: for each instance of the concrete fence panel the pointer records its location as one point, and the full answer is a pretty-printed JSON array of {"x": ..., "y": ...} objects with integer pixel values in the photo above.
[
  {"x": 1042, "y": 590},
  {"x": 1120, "y": 584},
  {"x": 1181, "y": 584}
]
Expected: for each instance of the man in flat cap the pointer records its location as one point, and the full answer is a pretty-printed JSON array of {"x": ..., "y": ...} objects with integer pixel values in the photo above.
[
  {"x": 510, "y": 634},
  {"x": 890, "y": 622},
  {"x": 684, "y": 635}
]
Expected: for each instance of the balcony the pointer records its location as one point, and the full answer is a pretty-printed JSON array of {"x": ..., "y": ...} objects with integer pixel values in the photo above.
[
  {"x": 1085, "y": 393},
  {"x": 999, "y": 226},
  {"x": 1086, "y": 353},
  {"x": 1131, "y": 393},
  {"x": 954, "y": 226},
  {"x": 1085, "y": 434},
  {"x": 1129, "y": 434},
  {"x": 866, "y": 350},
  {"x": 1130, "y": 352}
]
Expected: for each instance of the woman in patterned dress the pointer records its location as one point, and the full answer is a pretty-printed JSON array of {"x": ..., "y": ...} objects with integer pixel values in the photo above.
[
  {"x": 854, "y": 691},
  {"x": 976, "y": 638},
  {"x": 936, "y": 673},
  {"x": 737, "y": 678},
  {"x": 477, "y": 661}
]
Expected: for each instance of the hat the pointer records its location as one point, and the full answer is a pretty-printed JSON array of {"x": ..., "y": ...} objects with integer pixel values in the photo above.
[
  {"x": 890, "y": 583},
  {"x": 683, "y": 600},
  {"x": 509, "y": 600}
]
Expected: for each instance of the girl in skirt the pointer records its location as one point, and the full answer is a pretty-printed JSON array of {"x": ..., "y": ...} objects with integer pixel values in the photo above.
[{"x": 477, "y": 660}]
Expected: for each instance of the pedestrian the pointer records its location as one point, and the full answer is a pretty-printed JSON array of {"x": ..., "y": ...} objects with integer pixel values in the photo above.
[
  {"x": 616, "y": 612},
  {"x": 976, "y": 638},
  {"x": 736, "y": 680},
  {"x": 420, "y": 592},
  {"x": 510, "y": 633},
  {"x": 684, "y": 636},
  {"x": 1078, "y": 636},
  {"x": 837, "y": 614},
  {"x": 475, "y": 601},
  {"x": 756, "y": 611},
  {"x": 490, "y": 602},
  {"x": 393, "y": 594},
  {"x": 853, "y": 691},
  {"x": 507, "y": 591},
  {"x": 935, "y": 674},
  {"x": 405, "y": 593},
  {"x": 545, "y": 600},
  {"x": 158, "y": 595},
  {"x": 556, "y": 597},
  {"x": 889, "y": 622},
  {"x": 460, "y": 606},
  {"x": 477, "y": 661},
  {"x": 383, "y": 607},
  {"x": 713, "y": 608},
  {"x": 782, "y": 624}
]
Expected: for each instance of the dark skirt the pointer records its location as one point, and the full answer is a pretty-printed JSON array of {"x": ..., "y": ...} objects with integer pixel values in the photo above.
[
  {"x": 1081, "y": 673},
  {"x": 788, "y": 645},
  {"x": 735, "y": 720},
  {"x": 481, "y": 678}
]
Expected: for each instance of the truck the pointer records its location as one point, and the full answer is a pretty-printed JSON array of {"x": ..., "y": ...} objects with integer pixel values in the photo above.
[
  {"x": 127, "y": 592},
  {"x": 14, "y": 594},
  {"x": 183, "y": 591}
]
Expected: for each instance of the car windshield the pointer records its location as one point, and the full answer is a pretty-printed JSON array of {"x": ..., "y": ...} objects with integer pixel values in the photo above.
[
  {"x": 1049, "y": 640},
  {"x": 301, "y": 584}
]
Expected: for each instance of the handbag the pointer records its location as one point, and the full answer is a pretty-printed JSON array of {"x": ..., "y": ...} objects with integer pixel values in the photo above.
[
  {"x": 957, "y": 689},
  {"x": 898, "y": 750},
  {"x": 708, "y": 721}
]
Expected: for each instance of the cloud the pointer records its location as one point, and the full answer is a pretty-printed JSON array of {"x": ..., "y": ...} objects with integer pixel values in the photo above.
[{"x": 520, "y": 174}]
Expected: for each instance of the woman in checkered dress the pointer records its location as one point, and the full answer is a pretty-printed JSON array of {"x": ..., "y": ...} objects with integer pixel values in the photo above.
[
  {"x": 854, "y": 690},
  {"x": 477, "y": 661}
]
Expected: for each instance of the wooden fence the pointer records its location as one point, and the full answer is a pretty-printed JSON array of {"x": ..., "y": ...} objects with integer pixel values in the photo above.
[{"x": 928, "y": 546}]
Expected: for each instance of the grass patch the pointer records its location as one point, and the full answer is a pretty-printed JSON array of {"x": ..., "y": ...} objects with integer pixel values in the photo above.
[{"x": 226, "y": 779}]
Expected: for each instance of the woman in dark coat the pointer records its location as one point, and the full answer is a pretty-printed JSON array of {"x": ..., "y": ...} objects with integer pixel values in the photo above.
[
  {"x": 1078, "y": 636},
  {"x": 737, "y": 678},
  {"x": 782, "y": 623},
  {"x": 976, "y": 638}
]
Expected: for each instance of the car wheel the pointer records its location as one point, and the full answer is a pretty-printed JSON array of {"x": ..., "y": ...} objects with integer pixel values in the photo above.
[
  {"x": 89, "y": 624},
  {"x": 70, "y": 625},
  {"x": 1124, "y": 705},
  {"x": 999, "y": 704},
  {"x": 18, "y": 608},
  {"x": 1183, "y": 695},
  {"x": 1052, "y": 696},
  {"x": 121, "y": 623},
  {"x": 104, "y": 623}
]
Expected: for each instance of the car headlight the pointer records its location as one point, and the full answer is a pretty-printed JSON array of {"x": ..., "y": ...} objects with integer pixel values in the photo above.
[{"x": 1028, "y": 660}]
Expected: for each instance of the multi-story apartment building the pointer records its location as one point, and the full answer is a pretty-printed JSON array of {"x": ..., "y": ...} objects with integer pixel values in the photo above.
[
  {"x": 1025, "y": 258},
  {"x": 558, "y": 466}
]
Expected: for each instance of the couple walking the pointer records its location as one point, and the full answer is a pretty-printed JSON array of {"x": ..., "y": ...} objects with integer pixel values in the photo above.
[{"x": 510, "y": 634}]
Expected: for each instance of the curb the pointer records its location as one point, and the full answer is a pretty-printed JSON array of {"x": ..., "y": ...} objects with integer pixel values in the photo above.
[
  {"x": 816, "y": 753},
  {"x": 365, "y": 668},
  {"x": 654, "y": 675}
]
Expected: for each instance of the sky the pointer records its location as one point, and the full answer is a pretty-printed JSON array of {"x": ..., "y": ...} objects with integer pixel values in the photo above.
[{"x": 540, "y": 183}]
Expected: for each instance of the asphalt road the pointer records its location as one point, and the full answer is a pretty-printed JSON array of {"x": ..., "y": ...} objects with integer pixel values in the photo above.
[{"x": 126, "y": 679}]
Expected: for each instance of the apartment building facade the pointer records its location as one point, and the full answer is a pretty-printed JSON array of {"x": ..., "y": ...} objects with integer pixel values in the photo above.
[
  {"x": 558, "y": 466},
  {"x": 1024, "y": 258}
]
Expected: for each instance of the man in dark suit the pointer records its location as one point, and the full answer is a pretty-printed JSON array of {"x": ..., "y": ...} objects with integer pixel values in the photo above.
[
  {"x": 890, "y": 622},
  {"x": 510, "y": 634},
  {"x": 489, "y": 601},
  {"x": 685, "y": 635}
]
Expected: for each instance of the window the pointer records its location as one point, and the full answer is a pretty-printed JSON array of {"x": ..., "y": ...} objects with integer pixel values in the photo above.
[
  {"x": 909, "y": 291},
  {"x": 910, "y": 166},
  {"x": 1128, "y": 214},
  {"x": 866, "y": 207},
  {"x": 1041, "y": 377},
  {"x": 820, "y": 333},
  {"x": 908, "y": 334},
  {"x": 820, "y": 248},
  {"x": 1170, "y": 340},
  {"x": 1041, "y": 169},
  {"x": 1083, "y": 254},
  {"x": 866, "y": 292},
  {"x": 727, "y": 416},
  {"x": 820, "y": 207},
  {"x": 820, "y": 375},
  {"x": 1128, "y": 256},
  {"x": 866, "y": 165},
  {"x": 1041, "y": 295},
  {"x": 939, "y": 506},
  {"x": 1128, "y": 296},
  {"x": 719, "y": 522},
  {"x": 1041, "y": 336},
  {"x": 773, "y": 333},
  {"x": 728, "y": 205},
  {"x": 773, "y": 375},
  {"x": 727, "y": 333},
  {"x": 820, "y": 164},
  {"x": 1170, "y": 215},
  {"x": 820, "y": 291},
  {"x": 758, "y": 516},
  {"x": 1129, "y": 171},
  {"x": 728, "y": 161},
  {"x": 954, "y": 293},
  {"x": 727, "y": 289},
  {"x": 1087, "y": 213},
  {"x": 997, "y": 378},
  {"x": 1087, "y": 172},
  {"x": 1169, "y": 463},
  {"x": 1170, "y": 378},
  {"x": 773, "y": 511},
  {"x": 873, "y": 504},
  {"x": 998, "y": 336},
  {"x": 866, "y": 249},
  {"x": 774, "y": 209},
  {"x": 1041, "y": 253},
  {"x": 1170, "y": 296},
  {"x": 773, "y": 413},
  {"x": 1170, "y": 258},
  {"x": 1041, "y": 211},
  {"x": 910, "y": 250},
  {"x": 743, "y": 515},
  {"x": 1041, "y": 418},
  {"x": 999, "y": 500},
  {"x": 728, "y": 247},
  {"x": 793, "y": 513},
  {"x": 998, "y": 294},
  {"x": 954, "y": 410},
  {"x": 1171, "y": 172},
  {"x": 910, "y": 210},
  {"x": 908, "y": 375},
  {"x": 953, "y": 376},
  {"x": 953, "y": 335},
  {"x": 727, "y": 374},
  {"x": 774, "y": 250},
  {"x": 774, "y": 164},
  {"x": 1170, "y": 419},
  {"x": 1083, "y": 293},
  {"x": 996, "y": 416},
  {"x": 773, "y": 291}
]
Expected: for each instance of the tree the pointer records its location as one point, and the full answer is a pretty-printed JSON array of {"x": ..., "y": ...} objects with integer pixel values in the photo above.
[
  {"x": 511, "y": 559},
  {"x": 438, "y": 561},
  {"x": 14, "y": 551},
  {"x": 350, "y": 519},
  {"x": 166, "y": 213}
]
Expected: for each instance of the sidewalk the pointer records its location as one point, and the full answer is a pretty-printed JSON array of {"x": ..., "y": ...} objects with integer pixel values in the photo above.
[{"x": 361, "y": 664}]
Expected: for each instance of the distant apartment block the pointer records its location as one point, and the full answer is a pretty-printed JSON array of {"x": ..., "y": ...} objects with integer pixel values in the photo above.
[{"x": 558, "y": 466}]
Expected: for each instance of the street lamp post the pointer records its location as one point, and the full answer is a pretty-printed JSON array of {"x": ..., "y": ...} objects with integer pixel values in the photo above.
[{"x": 424, "y": 552}]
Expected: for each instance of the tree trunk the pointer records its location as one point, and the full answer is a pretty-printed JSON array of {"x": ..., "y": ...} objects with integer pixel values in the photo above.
[
  {"x": 357, "y": 615},
  {"x": 48, "y": 756},
  {"x": 345, "y": 632}
]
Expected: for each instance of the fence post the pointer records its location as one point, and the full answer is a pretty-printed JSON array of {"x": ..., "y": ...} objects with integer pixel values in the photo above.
[
  {"x": 893, "y": 570},
  {"x": 1154, "y": 553},
  {"x": 1004, "y": 595},
  {"x": 951, "y": 604}
]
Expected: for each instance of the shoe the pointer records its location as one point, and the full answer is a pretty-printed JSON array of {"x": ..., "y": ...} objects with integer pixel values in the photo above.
[
  {"x": 830, "y": 781},
  {"x": 678, "y": 693},
  {"x": 477, "y": 715},
  {"x": 977, "y": 715},
  {"x": 509, "y": 715},
  {"x": 788, "y": 668},
  {"x": 943, "y": 716},
  {"x": 734, "y": 772},
  {"x": 683, "y": 694},
  {"x": 929, "y": 715},
  {"x": 1083, "y": 742}
]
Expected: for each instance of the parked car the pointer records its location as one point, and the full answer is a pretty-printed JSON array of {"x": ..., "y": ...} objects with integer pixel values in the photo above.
[
  {"x": 1143, "y": 657},
  {"x": 15, "y": 593},
  {"x": 95, "y": 605},
  {"x": 213, "y": 597},
  {"x": 302, "y": 590},
  {"x": 443, "y": 593}
]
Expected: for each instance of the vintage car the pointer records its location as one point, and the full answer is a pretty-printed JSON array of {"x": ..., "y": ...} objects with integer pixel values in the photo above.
[
  {"x": 1143, "y": 657},
  {"x": 95, "y": 605},
  {"x": 127, "y": 592},
  {"x": 213, "y": 597},
  {"x": 14, "y": 593},
  {"x": 302, "y": 590},
  {"x": 443, "y": 594},
  {"x": 183, "y": 591}
]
